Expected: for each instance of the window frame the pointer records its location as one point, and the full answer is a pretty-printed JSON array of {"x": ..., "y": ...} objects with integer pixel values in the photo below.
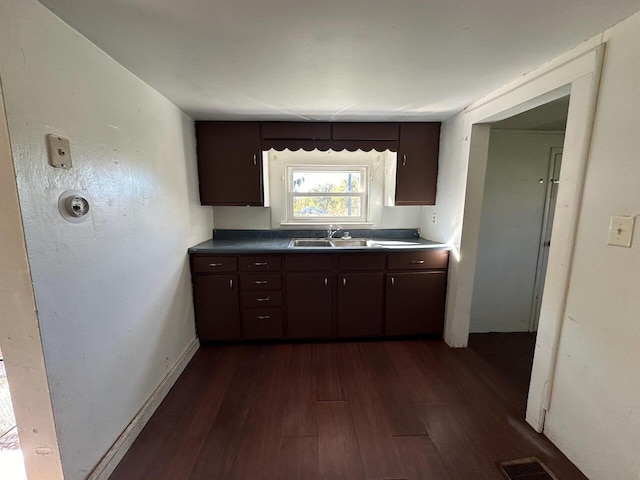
[{"x": 363, "y": 195}]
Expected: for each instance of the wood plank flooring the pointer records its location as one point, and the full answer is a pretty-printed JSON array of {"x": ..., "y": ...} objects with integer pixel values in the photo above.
[{"x": 362, "y": 410}]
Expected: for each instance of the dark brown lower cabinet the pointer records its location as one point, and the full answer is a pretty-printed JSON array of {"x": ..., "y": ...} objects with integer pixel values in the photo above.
[
  {"x": 217, "y": 307},
  {"x": 360, "y": 304},
  {"x": 415, "y": 302},
  {"x": 309, "y": 306}
]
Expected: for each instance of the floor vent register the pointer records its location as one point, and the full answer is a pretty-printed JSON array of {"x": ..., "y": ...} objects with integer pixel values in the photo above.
[{"x": 526, "y": 469}]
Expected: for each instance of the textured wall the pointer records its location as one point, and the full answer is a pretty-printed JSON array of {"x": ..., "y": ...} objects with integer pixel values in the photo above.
[{"x": 113, "y": 293}]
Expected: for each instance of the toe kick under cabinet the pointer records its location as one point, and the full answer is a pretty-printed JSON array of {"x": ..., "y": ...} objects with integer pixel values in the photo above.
[{"x": 319, "y": 295}]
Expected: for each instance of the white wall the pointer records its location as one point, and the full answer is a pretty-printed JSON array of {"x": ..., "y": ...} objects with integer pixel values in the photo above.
[
  {"x": 594, "y": 415},
  {"x": 595, "y": 405},
  {"x": 113, "y": 293},
  {"x": 271, "y": 217},
  {"x": 510, "y": 228}
]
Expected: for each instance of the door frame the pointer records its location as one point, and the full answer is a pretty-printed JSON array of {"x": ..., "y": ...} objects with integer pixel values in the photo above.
[
  {"x": 20, "y": 330},
  {"x": 577, "y": 74}
]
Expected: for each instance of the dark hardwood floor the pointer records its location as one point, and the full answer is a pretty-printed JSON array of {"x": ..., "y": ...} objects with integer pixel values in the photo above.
[{"x": 361, "y": 410}]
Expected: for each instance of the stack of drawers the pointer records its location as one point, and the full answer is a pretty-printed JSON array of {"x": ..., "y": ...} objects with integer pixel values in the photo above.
[{"x": 261, "y": 297}]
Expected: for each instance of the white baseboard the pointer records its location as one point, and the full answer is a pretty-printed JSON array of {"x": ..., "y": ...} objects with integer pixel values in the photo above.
[{"x": 117, "y": 451}]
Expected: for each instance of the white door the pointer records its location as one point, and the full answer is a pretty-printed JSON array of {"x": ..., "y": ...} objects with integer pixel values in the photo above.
[{"x": 545, "y": 238}]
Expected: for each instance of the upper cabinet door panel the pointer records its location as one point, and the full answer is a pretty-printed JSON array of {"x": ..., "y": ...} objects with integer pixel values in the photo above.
[
  {"x": 417, "y": 171},
  {"x": 229, "y": 163},
  {"x": 296, "y": 130},
  {"x": 365, "y": 131}
]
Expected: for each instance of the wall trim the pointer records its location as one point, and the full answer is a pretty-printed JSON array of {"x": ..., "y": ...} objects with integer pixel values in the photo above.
[{"x": 114, "y": 455}]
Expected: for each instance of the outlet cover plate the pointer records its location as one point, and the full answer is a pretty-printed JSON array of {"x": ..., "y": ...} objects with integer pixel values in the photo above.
[
  {"x": 621, "y": 231},
  {"x": 59, "y": 151}
]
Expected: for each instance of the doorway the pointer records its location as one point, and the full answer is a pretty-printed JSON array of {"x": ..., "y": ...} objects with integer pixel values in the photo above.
[{"x": 521, "y": 185}]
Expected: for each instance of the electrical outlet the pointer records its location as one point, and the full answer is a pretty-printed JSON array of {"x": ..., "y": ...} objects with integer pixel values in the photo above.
[
  {"x": 434, "y": 218},
  {"x": 621, "y": 231}
]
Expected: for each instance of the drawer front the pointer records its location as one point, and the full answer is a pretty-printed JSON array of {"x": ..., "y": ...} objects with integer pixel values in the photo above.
[
  {"x": 260, "y": 264},
  {"x": 266, "y": 299},
  {"x": 208, "y": 264},
  {"x": 261, "y": 281},
  {"x": 361, "y": 262},
  {"x": 307, "y": 263},
  {"x": 419, "y": 260},
  {"x": 262, "y": 323}
]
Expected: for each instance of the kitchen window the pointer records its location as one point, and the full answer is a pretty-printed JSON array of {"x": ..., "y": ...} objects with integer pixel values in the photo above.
[{"x": 327, "y": 194}]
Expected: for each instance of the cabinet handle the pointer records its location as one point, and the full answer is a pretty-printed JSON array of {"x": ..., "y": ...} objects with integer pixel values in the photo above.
[
  {"x": 231, "y": 284},
  {"x": 215, "y": 264},
  {"x": 261, "y": 282},
  {"x": 416, "y": 262},
  {"x": 255, "y": 159},
  {"x": 264, "y": 317},
  {"x": 263, "y": 299},
  {"x": 393, "y": 281},
  {"x": 404, "y": 160},
  {"x": 326, "y": 281},
  {"x": 260, "y": 264},
  {"x": 344, "y": 282}
]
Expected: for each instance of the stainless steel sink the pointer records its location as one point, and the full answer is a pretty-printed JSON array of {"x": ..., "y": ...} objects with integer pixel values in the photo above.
[
  {"x": 334, "y": 242},
  {"x": 352, "y": 242},
  {"x": 309, "y": 242}
]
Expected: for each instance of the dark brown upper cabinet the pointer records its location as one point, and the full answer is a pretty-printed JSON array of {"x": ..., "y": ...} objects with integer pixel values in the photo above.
[
  {"x": 365, "y": 131},
  {"x": 417, "y": 171},
  {"x": 230, "y": 163}
]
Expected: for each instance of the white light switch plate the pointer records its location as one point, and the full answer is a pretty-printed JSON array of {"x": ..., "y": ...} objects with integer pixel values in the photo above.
[
  {"x": 59, "y": 151},
  {"x": 621, "y": 231}
]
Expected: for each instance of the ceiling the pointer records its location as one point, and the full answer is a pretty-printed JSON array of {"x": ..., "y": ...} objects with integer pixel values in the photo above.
[{"x": 334, "y": 59}]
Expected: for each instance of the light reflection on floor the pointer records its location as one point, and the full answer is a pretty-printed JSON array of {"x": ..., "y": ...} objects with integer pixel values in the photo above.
[{"x": 11, "y": 461}]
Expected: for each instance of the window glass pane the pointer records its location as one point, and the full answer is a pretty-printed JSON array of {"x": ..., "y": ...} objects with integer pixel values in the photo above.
[
  {"x": 307, "y": 181},
  {"x": 326, "y": 206}
]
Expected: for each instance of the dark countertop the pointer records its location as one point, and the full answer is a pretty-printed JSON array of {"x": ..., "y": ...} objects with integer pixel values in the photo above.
[{"x": 223, "y": 243}]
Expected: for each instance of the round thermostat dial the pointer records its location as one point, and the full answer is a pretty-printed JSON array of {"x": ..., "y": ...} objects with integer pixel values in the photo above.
[{"x": 73, "y": 206}]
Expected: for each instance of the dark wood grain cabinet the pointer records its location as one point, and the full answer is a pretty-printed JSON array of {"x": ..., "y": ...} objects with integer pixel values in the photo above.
[
  {"x": 417, "y": 168},
  {"x": 416, "y": 286},
  {"x": 360, "y": 304},
  {"x": 230, "y": 163},
  {"x": 304, "y": 296},
  {"x": 216, "y": 305}
]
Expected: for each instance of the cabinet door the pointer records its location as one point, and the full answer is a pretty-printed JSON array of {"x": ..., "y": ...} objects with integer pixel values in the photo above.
[
  {"x": 417, "y": 171},
  {"x": 360, "y": 304},
  {"x": 229, "y": 163},
  {"x": 415, "y": 303},
  {"x": 216, "y": 303},
  {"x": 309, "y": 306}
]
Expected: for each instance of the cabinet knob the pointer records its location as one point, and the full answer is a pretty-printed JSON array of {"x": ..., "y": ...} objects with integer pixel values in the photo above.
[
  {"x": 215, "y": 264},
  {"x": 260, "y": 264},
  {"x": 255, "y": 159},
  {"x": 261, "y": 282},
  {"x": 266, "y": 299},
  {"x": 393, "y": 281},
  {"x": 404, "y": 160},
  {"x": 416, "y": 262},
  {"x": 344, "y": 282},
  {"x": 231, "y": 284},
  {"x": 264, "y": 317},
  {"x": 326, "y": 281}
]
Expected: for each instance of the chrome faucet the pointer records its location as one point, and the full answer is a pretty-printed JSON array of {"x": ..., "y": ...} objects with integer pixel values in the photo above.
[{"x": 331, "y": 232}]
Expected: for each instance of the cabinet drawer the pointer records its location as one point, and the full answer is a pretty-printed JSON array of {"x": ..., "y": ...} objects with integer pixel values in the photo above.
[
  {"x": 361, "y": 262},
  {"x": 261, "y": 281},
  {"x": 214, "y": 264},
  {"x": 267, "y": 299},
  {"x": 260, "y": 264},
  {"x": 419, "y": 260},
  {"x": 262, "y": 323},
  {"x": 307, "y": 263}
]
